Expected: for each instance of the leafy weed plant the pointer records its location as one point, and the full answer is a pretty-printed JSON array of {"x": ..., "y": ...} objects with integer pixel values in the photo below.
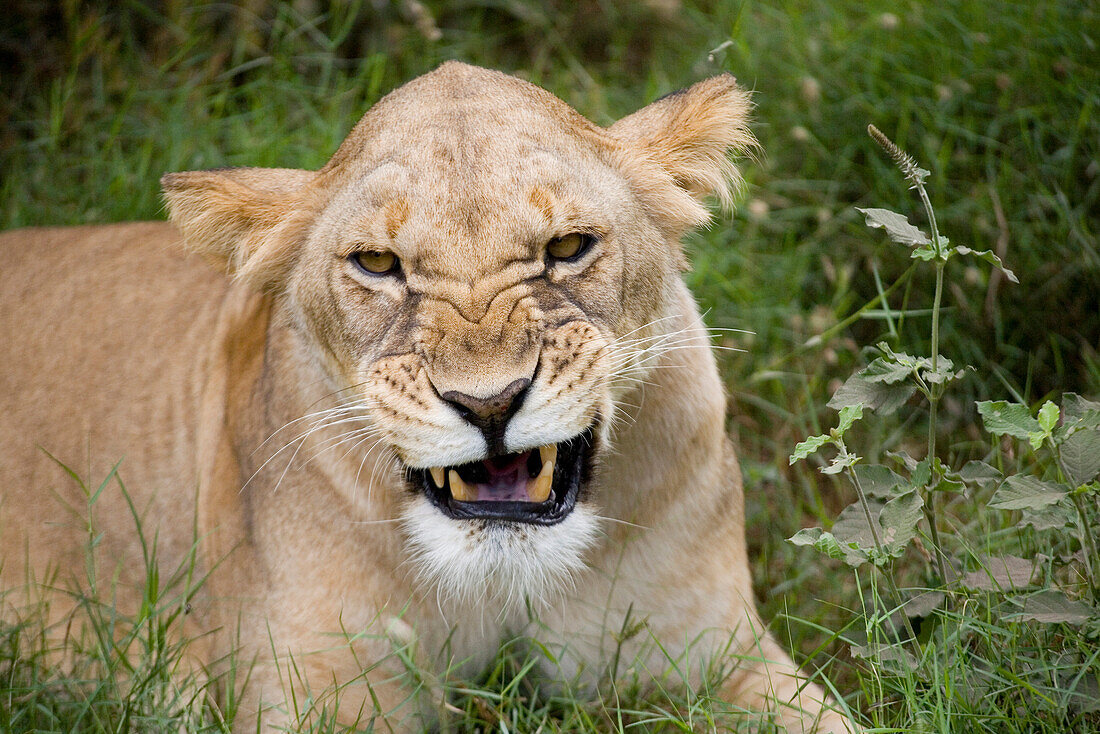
[{"x": 1017, "y": 630}]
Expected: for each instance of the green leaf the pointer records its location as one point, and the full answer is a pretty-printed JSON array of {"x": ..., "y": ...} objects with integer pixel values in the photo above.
[
  {"x": 923, "y": 604},
  {"x": 821, "y": 541},
  {"x": 1080, "y": 455},
  {"x": 874, "y": 396},
  {"x": 1048, "y": 421},
  {"x": 921, "y": 474},
  {"x": 807, "y": 447},
  {"x": 990, "y": 258},
  {"x": 849, "y": 414},
  {"x": 924, "y": 252},
  {"x": 1048, "y": 416},
  {"x": 1054, "y": 607},
  {"x": 1089, "y": 488},
  {"x": 948, "y": 483},
  {"x": 851, "y": 526},
  {"x": 856, "y": 538},
  {"x": 879, "y": 481},
  {"x": 905, "y": 360},
  {"x": 1077, "y": 409},
  {"x": 1000, "y": 573},
  {"x": 899, "y": 518},
  {"x": 1012, "y": 419},
  {"x": 806, "y": 536},
  {"x": 881, "y": 370},
  {"x": 978, "y": 472},
  {"x": 896, "y": 226},
  {"x": 840, "y": 463},
  {"x": 1020, "y": 492},
  {"x": 945, "y": 372},
  {"x": 1051, "y": 517},
  {"x": 904, "y": 460}
]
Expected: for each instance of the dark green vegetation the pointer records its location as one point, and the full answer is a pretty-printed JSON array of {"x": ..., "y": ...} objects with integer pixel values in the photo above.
[
  {"x": 1001, "y": 102},
  {"x": 928, "y": 641}
]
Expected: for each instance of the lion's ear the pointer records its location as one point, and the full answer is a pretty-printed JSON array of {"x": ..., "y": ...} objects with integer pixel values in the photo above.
[
  {"x": 247, "y": 220},
  {"x": 691, "y": 135}
]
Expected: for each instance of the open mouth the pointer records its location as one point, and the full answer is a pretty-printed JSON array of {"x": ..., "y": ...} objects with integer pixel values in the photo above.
[{"x": 538, "y": 486}]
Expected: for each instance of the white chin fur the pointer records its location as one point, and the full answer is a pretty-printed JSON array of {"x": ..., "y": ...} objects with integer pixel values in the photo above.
[{"x": 475, "y": 561}]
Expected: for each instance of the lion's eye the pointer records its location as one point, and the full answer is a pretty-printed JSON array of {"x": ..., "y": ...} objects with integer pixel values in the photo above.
[
  {"x": 570, "y": 247},
  {"x": 376, "y": 262}
]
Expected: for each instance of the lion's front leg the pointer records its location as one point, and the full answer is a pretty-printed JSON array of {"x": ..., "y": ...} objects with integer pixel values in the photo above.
[
  {"x": 764, "y": 678},
  {"x": 677, "y": 639},
  {"x": 694, "y": 625},
  {"x": 291, "y": 678},
  {"x": 759, "y": 675}
]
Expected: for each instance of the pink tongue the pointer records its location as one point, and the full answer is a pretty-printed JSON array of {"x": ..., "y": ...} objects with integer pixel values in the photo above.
[{"x": 506, "y": 483}]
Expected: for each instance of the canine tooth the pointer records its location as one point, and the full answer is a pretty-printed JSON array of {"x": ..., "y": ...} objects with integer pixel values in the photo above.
[
  {"x": 539, "y": 490},
  {"x": 437, "y": 476},
  {"x": 459, "y": 489},
  {"x": 549, "y": 452}
]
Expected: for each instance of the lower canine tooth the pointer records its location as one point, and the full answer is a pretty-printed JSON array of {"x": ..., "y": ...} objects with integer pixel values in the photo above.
[
  {"x": 539, "y": 490},
  {"x": 437, "y": 476},
  {"x": 549, "y": 452},
  {"x": 459, "y": 489}
]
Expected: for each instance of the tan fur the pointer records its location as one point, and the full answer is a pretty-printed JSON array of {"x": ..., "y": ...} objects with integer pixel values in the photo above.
[{"x": 280, "y": 406}]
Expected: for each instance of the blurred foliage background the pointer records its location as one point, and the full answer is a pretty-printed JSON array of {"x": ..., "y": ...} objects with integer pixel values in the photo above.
[{"x": 1000, "y": 100}]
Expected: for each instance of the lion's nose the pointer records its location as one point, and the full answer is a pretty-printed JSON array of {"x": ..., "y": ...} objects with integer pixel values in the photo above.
[{"x": 490, "y": 415}]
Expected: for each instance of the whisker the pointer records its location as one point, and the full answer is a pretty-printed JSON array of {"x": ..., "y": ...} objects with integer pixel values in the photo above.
[
  {"x": 650, "y": 323},
  {"x": 289, "y": 463},
  {"x": 362, "y": 463},
  {"x": 319, "y": 415},
  {"x": 388, "y": 462},
  {"x": 299, "y": 439},
  {"x": 366, "y": 436},
  {"x": 335, "y": 441},
  {"x": 622, "y": 522}
]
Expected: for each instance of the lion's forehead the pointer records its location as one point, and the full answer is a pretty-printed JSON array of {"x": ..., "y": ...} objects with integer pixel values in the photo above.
[
  {"x": 469, "y": 220},
  {"x": 449, "y": 172}
]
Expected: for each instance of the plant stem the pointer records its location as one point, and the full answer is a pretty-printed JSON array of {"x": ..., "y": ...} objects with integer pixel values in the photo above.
[
  {"x": 933, "y": 405},
  {"x": 866, "y": 511},
  {"x": 878, "y": 547},
  {"x": 871, "y": 525},
  {"x": 933, "y": 388},
  {"x": 1088, "y": 541}
]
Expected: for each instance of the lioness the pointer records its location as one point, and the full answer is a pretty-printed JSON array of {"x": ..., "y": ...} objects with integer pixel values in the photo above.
[{"x": 454, "y": 389}]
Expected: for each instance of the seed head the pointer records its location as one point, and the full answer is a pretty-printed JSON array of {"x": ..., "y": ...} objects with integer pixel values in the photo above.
[{"x": 905, "y": 162}]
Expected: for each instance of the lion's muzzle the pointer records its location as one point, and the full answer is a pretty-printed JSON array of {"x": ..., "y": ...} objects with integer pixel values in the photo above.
[{"x": 538, "y": 486}]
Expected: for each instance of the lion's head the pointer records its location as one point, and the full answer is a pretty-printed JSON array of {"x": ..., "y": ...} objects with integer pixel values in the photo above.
[{"x": 486, "y": 277}]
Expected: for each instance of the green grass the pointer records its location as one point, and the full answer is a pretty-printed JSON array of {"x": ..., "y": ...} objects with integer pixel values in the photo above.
[{"x": 1001, "y": 101}]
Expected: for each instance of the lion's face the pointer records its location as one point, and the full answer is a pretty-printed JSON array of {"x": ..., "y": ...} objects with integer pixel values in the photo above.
[
  {"x": 482, "y": 283},
  {"x": 480, "y": 271}
]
